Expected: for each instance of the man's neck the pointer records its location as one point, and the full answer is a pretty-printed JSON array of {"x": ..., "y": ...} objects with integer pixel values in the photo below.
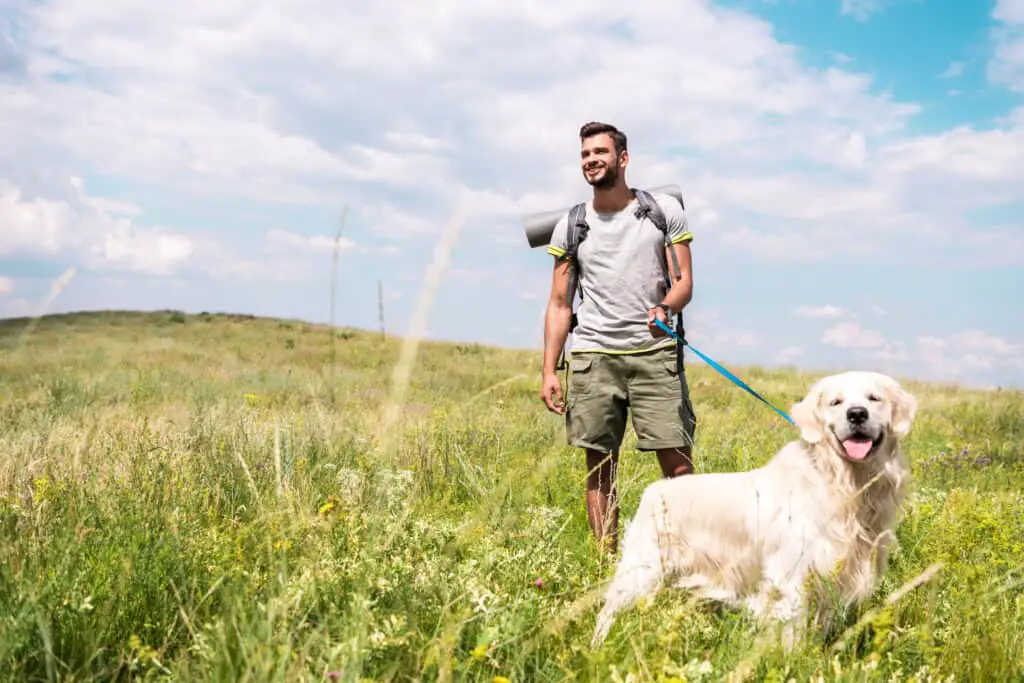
[{"x": 612, "y": 200}]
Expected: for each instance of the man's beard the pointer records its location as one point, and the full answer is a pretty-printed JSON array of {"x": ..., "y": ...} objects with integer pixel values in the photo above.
[{"x": 606, "y": 180}]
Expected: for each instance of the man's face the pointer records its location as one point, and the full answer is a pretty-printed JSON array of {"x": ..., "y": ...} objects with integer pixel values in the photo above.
[{"x": 598, "y": 161}]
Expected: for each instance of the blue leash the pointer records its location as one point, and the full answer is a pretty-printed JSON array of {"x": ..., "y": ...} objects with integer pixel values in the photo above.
[{"x": 735, "y": 380}]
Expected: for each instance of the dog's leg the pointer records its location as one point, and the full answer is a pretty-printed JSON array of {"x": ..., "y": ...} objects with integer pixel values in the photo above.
[
  {"x": 642, "y": 569},
  {"x": 635, "y": 578},
  {"x": 781, "y": 601}
]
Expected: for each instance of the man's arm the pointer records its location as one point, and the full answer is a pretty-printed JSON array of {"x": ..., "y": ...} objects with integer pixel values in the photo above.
[
  {"x": 557, "y": 320},
  {"x": 558, "y": 316},
  {"x": 681, "y": 292}
]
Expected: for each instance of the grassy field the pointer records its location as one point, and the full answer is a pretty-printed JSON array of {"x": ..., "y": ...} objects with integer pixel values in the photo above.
[{"x": 225, "y": 498}]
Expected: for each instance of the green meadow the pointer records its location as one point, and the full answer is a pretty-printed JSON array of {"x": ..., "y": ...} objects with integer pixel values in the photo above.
[{"x": 228, "y": 498}]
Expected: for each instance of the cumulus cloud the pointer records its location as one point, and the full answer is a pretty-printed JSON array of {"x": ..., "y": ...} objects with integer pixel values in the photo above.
[
  {"x": 826, "y": 311},
  {"x": 706, "y": 328},
  {"x": 954, "y": 355},
  {"x": 392, "y": 103},
  {"x": 1007, "y": 64},
  {"x": 861, "y": 9},
  {"x": 850, "y": 335},
  {"x": 789, "y": 354},
  {"x": 86, "y": 227}
]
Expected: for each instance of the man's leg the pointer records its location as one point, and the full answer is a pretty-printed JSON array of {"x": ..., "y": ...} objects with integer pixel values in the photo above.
[
  {"x": 596, "y": 422},
  {"x": 663, "y": 415},
  {"x": 675, "y": 462},
  {"x": 602, "y": 498}
]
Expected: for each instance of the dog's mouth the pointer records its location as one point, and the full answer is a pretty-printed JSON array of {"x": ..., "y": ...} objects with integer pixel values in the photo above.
[{"x": 859, "y": 446}]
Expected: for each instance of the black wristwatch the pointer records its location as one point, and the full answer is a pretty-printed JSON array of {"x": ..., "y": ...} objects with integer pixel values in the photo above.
[{"x": 664, "y": 307}]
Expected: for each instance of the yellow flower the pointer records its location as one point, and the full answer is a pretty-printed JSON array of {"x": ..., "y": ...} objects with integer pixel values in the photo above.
[
  {"x": 500, "y": 679},
  {"x": 479, "y": 652},
  {"x": 328, "y": 506}
]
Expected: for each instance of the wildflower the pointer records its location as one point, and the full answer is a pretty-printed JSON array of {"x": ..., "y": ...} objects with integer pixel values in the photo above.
[
  {"x": 331, "y": 503},
  {"x": 500, "y": 679},
  {"x": 539, "y": 583},
  {"x": 479, "y": 652}
]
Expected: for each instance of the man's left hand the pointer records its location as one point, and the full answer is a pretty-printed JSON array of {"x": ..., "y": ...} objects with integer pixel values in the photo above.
[{"x": 656, "y": 313}]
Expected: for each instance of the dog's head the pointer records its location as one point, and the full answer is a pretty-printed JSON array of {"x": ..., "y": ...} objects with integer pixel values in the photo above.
[{"x": 856, "y": 413}]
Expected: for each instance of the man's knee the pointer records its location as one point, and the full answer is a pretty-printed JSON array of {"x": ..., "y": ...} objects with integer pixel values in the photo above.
[{"x": 601, "y": 469}]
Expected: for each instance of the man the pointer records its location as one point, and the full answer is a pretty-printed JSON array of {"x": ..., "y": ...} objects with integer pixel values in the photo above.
[{"x": 619, "y": 358}]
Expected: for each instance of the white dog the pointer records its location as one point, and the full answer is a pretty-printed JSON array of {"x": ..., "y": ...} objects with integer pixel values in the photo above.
[{"x": 821, "y": 511}]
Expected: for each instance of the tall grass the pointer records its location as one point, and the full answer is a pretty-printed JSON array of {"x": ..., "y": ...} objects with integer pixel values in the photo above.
[{"x": 201, "y": 498}]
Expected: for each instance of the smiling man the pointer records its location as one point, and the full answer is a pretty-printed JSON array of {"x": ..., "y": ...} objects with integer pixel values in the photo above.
[{"x": 620, "y": 360}]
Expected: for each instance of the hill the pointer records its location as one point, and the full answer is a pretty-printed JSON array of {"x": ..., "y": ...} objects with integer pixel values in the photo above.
[{"x": 227, "y": 497}]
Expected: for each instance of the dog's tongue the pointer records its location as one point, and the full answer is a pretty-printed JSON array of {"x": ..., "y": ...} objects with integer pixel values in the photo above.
[{"x": 857, "y": 449}]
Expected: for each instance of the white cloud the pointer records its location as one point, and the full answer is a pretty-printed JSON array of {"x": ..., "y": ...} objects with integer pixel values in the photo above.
[
  {"x": 850, "y": 335},
  {"x": 955, "y": 355},
  {"x": 6, "y": 285},
  {"x": 861, "y": 9},
  {"x": 86, "y": 226},
  {"x": 954, "y": 70},
  {"x": 1007, "y": 64},
  {"x": 154, "y": 251},
  {"x": 358, "y": 107},
  {"x": 789, "y": 354},
  {"x": 705, "y": 328},
  {"x": 990, "y": 345},
  {"x": 31, "y": 225},
  {"x": 826, "y": 311},
  {"x": 282, "y": 240},
  {"x": 17, "y": 308}
]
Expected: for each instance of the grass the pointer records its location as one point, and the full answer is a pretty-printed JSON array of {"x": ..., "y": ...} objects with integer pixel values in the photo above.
[{"x": 208, "y": 498}]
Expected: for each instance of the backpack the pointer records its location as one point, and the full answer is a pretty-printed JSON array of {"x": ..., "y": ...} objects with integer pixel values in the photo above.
[{"x": 577, "y": 230}]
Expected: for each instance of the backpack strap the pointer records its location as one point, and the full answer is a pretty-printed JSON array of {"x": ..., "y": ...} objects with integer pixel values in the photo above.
[
  {"x": 576, "y": 232},
  {"x": 647, "y": 207}
]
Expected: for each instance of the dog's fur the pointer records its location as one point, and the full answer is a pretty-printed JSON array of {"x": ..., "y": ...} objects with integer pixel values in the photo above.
[{"x": 775, "y": 537}]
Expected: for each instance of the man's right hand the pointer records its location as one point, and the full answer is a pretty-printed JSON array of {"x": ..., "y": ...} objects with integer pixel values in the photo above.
[{"x": 551, "y": 393}]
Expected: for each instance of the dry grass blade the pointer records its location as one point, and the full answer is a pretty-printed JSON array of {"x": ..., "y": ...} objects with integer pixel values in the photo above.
[
  {"x": 55, "y": 289},
  {"x": 894, "y": 597},
  {"x": 417, "y": 327}
]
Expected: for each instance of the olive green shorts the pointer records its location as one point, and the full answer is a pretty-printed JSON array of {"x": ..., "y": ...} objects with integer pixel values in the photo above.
[{"x": 651, "y": 385}]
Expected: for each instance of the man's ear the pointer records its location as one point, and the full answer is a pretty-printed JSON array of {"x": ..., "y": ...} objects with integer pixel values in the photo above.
[
  {"x": 807, "y": 418},
  {"x": 624, "y": 159},
  {"x": 904, "y": 409}
]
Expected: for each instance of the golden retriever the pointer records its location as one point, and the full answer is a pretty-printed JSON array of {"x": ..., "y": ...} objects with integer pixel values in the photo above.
[{"x": 821, "y": 512}]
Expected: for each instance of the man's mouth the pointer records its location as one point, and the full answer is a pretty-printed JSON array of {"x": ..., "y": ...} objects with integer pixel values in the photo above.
[{"x": 858, "y": 446}]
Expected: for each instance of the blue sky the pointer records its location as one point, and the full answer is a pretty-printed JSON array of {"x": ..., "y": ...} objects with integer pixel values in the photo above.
[{"x": 851, "y": 167}]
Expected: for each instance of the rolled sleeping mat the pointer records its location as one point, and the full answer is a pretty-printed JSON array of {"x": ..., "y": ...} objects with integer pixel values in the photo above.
[{"x": 539, "y": 226}]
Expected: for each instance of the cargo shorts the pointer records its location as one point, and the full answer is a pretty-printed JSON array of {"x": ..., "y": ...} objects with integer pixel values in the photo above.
[{"x": 650, "y": 385}]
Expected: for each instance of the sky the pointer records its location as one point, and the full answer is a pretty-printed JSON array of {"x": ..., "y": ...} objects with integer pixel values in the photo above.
[{"x": 851, "y": 168}]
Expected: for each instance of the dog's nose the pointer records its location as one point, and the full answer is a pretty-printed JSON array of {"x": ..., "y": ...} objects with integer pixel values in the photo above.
[{"x": 857, "y": 415}]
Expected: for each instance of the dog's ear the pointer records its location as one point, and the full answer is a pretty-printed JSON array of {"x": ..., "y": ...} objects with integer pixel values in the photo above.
[
  {"x": 807, "y": 416},
  {"x": 904, "y": 408}
]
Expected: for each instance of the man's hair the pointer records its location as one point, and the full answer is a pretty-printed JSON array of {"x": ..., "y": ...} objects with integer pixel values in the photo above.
[{"x": 597, "y": 128}]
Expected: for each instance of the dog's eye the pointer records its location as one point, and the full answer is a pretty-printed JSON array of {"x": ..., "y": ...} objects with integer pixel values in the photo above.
[
  {"x": 836, "y": 401},
  {"x": 874, "y": 398}
]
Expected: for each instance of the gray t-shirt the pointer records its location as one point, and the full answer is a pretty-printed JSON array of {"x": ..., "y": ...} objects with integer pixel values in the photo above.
[{"x": 621, "y": 275}]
